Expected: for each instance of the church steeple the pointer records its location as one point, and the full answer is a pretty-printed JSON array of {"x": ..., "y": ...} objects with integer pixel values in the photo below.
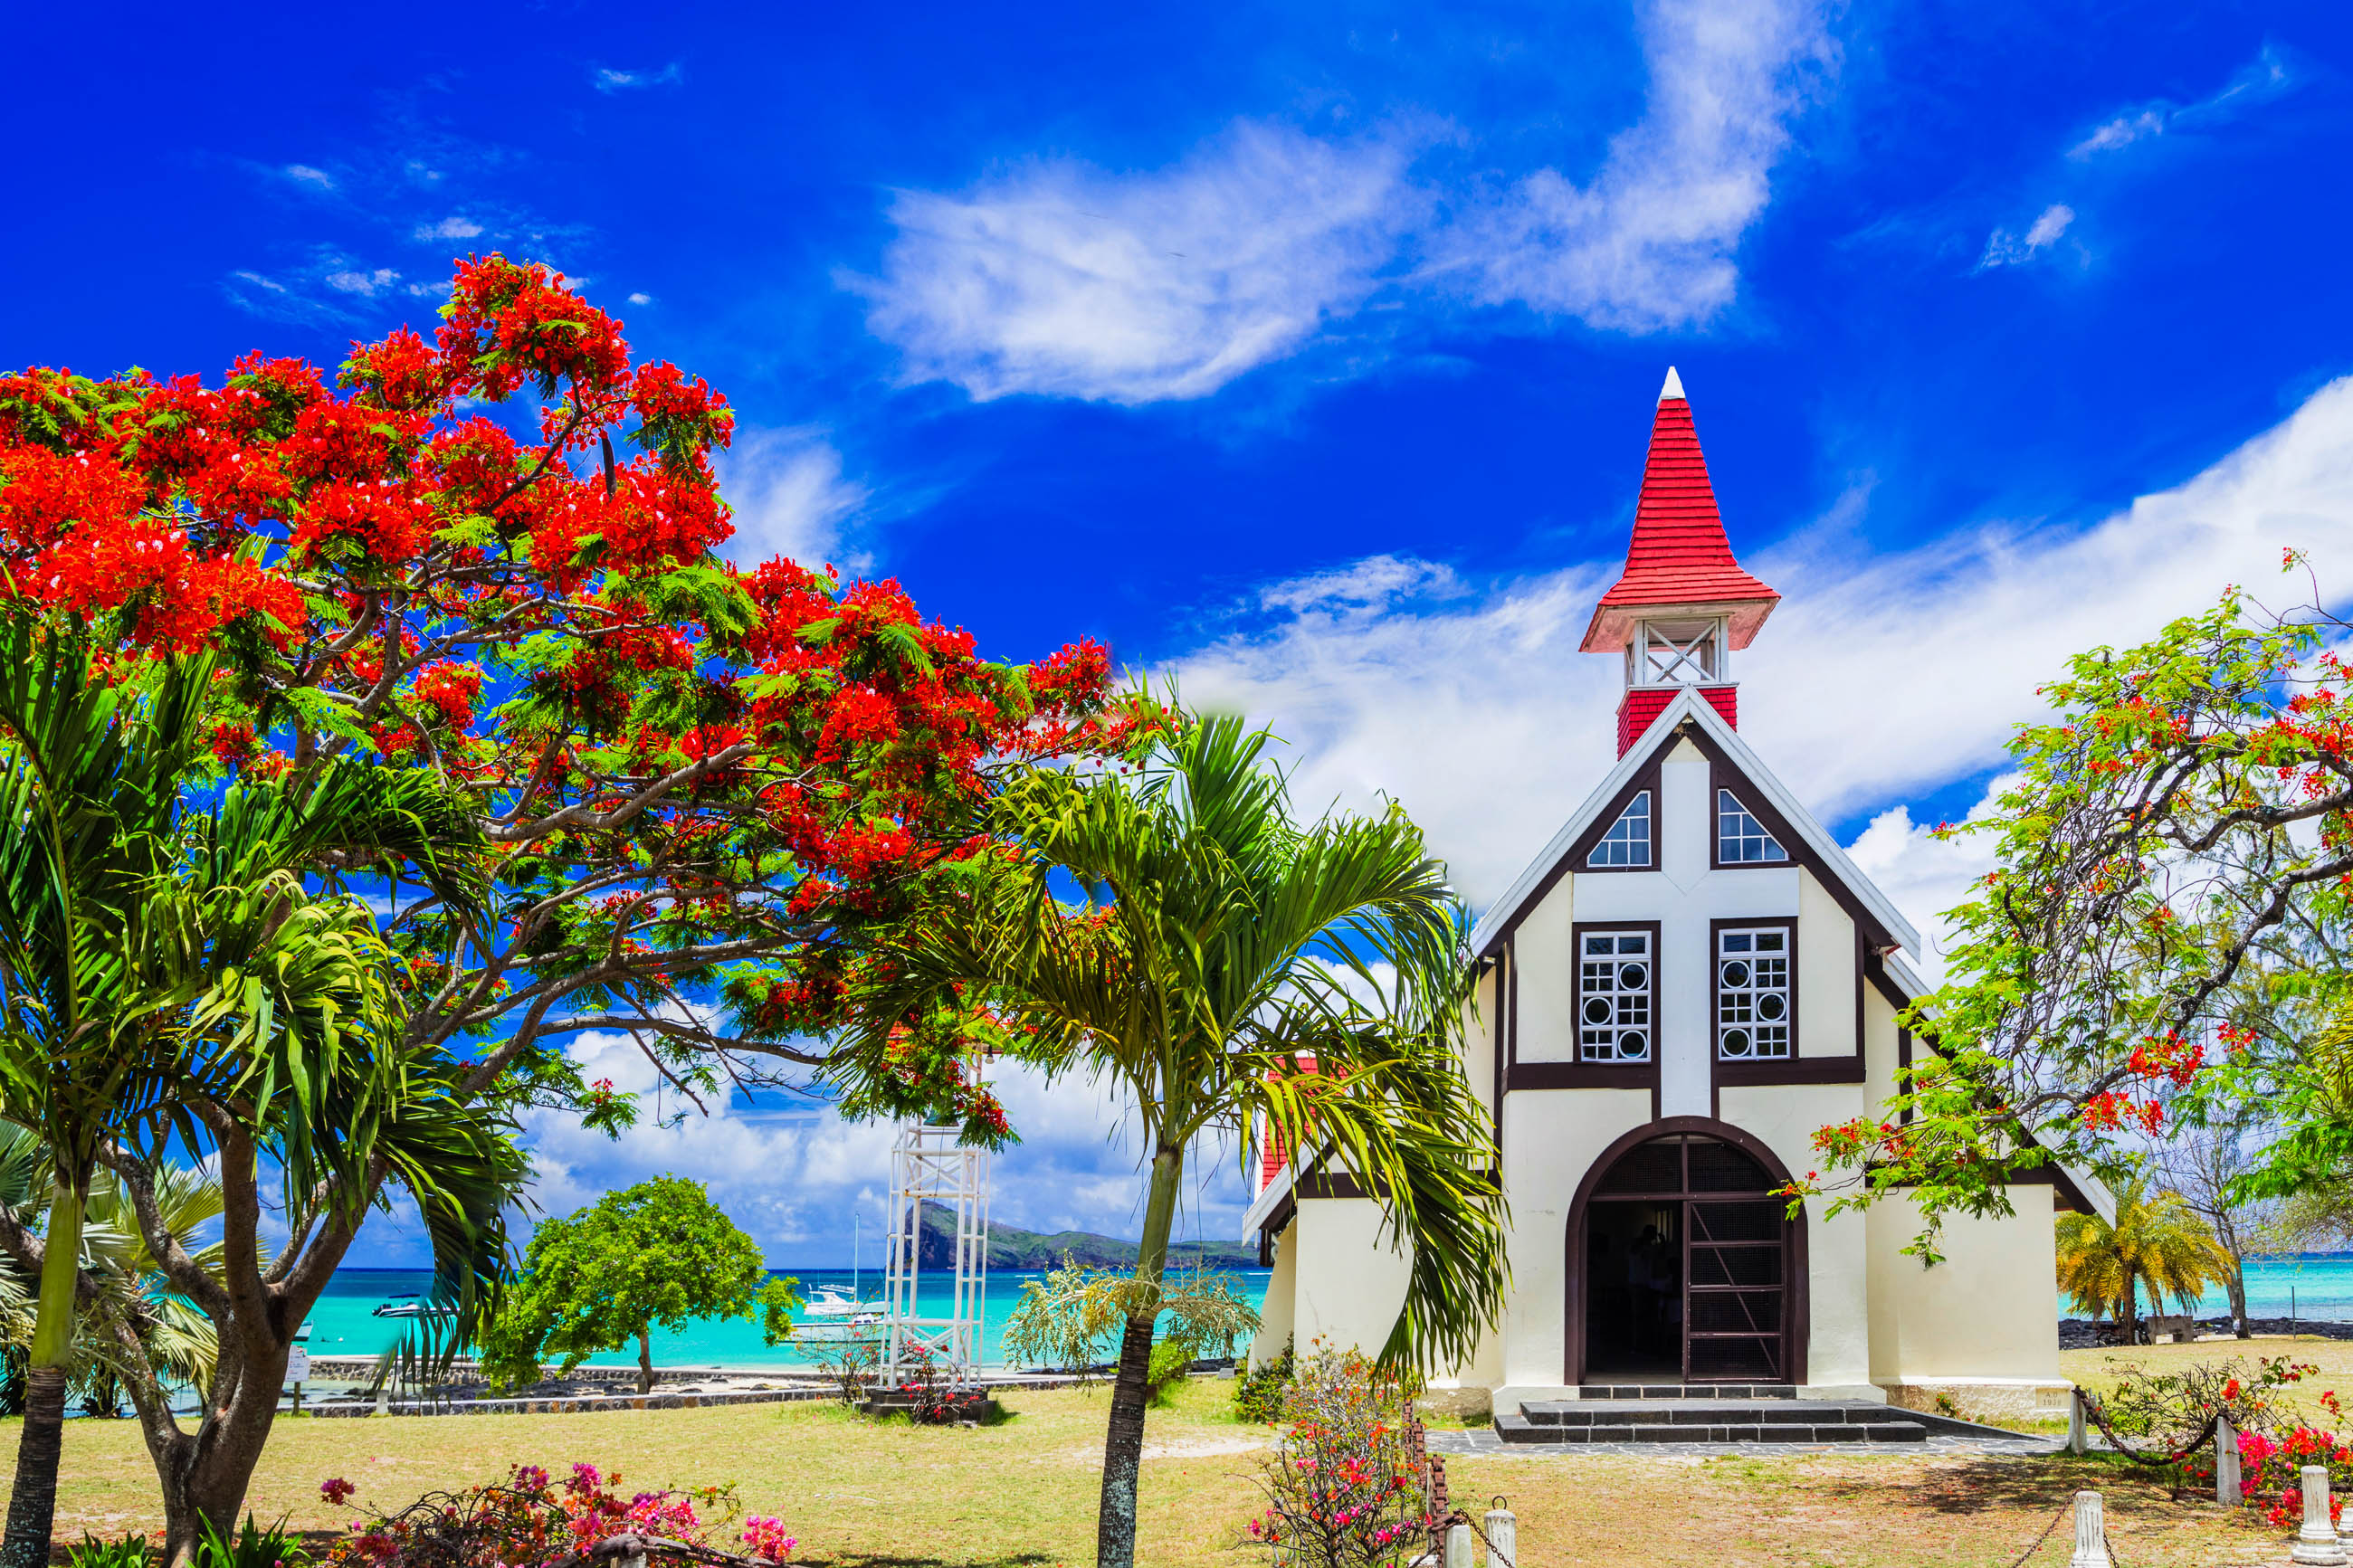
[{"x": 1682, "y": 605}]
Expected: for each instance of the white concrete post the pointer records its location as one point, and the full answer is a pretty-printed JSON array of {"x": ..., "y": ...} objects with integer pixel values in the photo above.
[
  {"x": 2091, "y": 1533},
  {"x": 2316, "y": 1543},
  {"x": 1502, "y": 1537},
  {"x": 2226, "y": 1464},
  {"x": 1458, "y": 1545},
  {"x": 2076, "y": 1439}
]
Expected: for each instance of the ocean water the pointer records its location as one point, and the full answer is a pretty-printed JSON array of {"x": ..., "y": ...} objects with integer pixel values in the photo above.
[
  {"x": 343, "y": 1323},
  {"x": 2319, "y": 1287}
]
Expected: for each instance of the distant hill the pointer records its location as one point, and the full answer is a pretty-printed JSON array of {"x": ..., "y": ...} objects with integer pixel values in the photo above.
[{"x": 1012, "y": 1248}]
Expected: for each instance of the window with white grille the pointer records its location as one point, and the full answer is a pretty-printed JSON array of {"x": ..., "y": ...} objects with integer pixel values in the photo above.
[
  {"x": 1751, "y": 993},
  {"x": 1740, "y": 839},
  {"x": 1628, "y": 842},
  {"x": 1614, "y": 987}
]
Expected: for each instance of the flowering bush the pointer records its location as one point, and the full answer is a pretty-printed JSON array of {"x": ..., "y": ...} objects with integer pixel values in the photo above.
[
  {"x": 2270, "y": 1470},
  {"x": 2175, "y": 1407},
  {"x": 1344, "y": 1490},
  {"x": 532, "y": 1520}
]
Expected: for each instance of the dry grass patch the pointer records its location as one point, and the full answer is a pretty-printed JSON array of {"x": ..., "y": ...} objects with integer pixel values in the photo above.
[{"x": 1022, "y": 1494}]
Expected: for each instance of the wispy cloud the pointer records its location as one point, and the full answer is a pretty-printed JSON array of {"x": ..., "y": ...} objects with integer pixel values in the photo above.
[
  {"x": 1060, "y": 278},
  {"x": 608, "y": 80},
  {"x": 1649, "y": 241},
  {"x": 1871, "y": 683},
  {"x": 304, "y": 174},
  {"x": 2004, "y": 249},
  {"x": 2268, "y": 76},
  {"x": 790, "y": 497},
  {"x": 452, "y": 227}
]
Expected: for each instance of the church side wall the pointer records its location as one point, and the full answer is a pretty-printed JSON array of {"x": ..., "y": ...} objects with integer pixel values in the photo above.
[
  {"x": 1826, "y": 972},
  {"x": 1980, "y": 1327},
  {"x": 1350, "y": 1283},
  {"x": 1278, "y": 1313}
]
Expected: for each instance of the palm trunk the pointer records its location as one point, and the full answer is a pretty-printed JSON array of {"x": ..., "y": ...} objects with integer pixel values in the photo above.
[
  {"x": 33, "y": 1504},
  {"x": 2238, "y": 1287},
  {"x": 1123, "y": 1444},
  {"x": 645, "y": 1360}
]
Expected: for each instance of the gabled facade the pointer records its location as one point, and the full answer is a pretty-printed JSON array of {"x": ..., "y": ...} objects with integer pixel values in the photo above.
[{"x": 1685, "y": 984}]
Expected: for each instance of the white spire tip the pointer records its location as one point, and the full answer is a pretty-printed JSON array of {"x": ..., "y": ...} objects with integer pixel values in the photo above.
[{"x": 1674, "y": 386}]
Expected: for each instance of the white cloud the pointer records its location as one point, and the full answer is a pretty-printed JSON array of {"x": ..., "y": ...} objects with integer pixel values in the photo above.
[
  {"x": 1877, "y": 679},
  {"x": 641, "y": 299},
  {"x": 1922, "y": 874},
  {"x": 2262, "y": 79},
  {"x": 2004, "y": 249},
  {"x": 1649, "y": 242},
  {"x": 303, "y": 174},
  {"x": 789, "y": 496},
  {"x": 449, "y": 228},
  {"x": 610, "y": 80},
  {"x": 367, "y": 285},
  {"x": 1061, "y": 279}
]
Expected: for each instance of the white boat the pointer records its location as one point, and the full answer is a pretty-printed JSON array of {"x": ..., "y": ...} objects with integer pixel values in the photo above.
[{"x": 833, "y": 1301}]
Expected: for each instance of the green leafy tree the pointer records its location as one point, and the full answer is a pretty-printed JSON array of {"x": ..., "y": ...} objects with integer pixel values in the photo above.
[
  {"x": 1069, "y": 1318},
  {"x": 168, "y": 976},
  {"x": 2157, "y": 1243},
  {"x": 2172, "y": 866},
  {"x": 658, "y": 1253},
  {"x": 1217, "y": 952}
]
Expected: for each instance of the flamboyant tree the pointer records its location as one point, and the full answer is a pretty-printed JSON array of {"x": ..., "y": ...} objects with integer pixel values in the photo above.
[
  {"x": 695, "y": 791},
  {"x": 2173, "y": 867}
]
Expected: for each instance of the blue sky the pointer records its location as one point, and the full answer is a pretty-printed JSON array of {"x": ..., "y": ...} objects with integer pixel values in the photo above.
[{"x": 1309, "y": 352}]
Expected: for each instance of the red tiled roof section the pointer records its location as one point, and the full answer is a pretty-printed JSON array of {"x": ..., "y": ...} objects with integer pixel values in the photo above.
[{"x": 1679, "y": 555}]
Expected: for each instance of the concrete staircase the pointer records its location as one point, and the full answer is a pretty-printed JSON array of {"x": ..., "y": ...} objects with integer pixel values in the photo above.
[{"x": 1706, "y": 1413}]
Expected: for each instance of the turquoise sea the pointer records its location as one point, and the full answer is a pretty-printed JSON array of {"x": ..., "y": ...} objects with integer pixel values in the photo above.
[
  {"x": 343, "y": 1323},
  {"x": 2320, "y": 1288}
]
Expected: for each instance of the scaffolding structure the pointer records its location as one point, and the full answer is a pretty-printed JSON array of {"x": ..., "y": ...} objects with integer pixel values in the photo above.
[{"x": 929, "y": 1166}]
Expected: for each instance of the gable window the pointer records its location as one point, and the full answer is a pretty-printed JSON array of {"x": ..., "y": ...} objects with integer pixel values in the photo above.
[
  {"x": 1628, "y": 842},
  {"x": 1614, "y": 980},
  {"x": 1740, "y": 839},
  {"x": 1751, "y": 993}
]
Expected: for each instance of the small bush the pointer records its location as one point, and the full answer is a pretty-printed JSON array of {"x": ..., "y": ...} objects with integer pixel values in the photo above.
[
  {"x": 252, "y": 1547},
  {"x": 1259, "y": 1392},
  {"x": 1170, "y": 1362},
  {"x": 1344, "y": 1490},
  {"x": 131, "y": 1551}
]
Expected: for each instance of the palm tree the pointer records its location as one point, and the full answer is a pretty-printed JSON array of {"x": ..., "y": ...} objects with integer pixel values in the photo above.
[
  {"x": 2157, "y": 1241},
  {"x": 1225, "y": 965},
  {"x": 159, "y": 963}
]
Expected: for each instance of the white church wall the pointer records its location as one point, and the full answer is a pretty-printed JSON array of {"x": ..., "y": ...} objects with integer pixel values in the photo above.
[
  {"x": 1476, "y": 1042},
  {"x": 1827, "y": 956},
  {"x": 1351, "y": 1283},
  {"x": 1982, "y": 1327},
  {"x": 1550, "y": 1138},
  {"x": 1546, "y": 1020},
  {"x": 1879, "y": 1051},
  {"x": 1279, "y": 1312},
  {"x": 1838, "y": 1273}
]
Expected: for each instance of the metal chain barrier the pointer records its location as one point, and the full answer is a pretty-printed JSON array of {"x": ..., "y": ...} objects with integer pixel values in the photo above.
[
  {"x": 2100, "y": 1419},
  {"x": 2064, "y": 1510}
]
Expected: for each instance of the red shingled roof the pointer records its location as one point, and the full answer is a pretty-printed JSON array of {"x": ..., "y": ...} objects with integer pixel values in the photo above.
[{"x": 1679, "y": 555}]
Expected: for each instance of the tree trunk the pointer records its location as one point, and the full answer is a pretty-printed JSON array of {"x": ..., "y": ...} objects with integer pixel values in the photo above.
[
  {"x": 2238, "y": 1286},
  {"x": 33, "y": 1502},
  {"x": 645, "y": 1360},
  {"x": 1123, "y": 1444}
]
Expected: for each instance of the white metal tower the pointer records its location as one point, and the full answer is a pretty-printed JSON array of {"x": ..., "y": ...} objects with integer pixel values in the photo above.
[{"x": 927, "y": 1164}]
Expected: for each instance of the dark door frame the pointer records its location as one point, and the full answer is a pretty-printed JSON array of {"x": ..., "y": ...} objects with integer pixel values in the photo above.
[{"x": 1797, "y": 1322}]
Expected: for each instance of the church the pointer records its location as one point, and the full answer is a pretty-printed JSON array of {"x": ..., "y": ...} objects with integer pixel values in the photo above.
[{"x": 1682, "y": 985}]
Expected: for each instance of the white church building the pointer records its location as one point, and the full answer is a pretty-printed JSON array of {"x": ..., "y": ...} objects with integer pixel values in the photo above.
[{"x": 1682, "y": 985}]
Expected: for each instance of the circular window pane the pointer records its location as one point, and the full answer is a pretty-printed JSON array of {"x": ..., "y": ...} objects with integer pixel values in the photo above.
[
  {"x": 1736, "y": 973},
  {"x": 1597, "y": 1009},
  {"x": 1735, "y": 1042},
  {"x": 1632, "y": 976},
  {"x": 1770, "y": 1004},
  {"x": 1633, "y": 1043}
]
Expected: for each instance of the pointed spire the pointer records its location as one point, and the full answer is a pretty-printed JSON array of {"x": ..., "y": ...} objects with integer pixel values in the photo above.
[{"x": 1679, "y": 555}]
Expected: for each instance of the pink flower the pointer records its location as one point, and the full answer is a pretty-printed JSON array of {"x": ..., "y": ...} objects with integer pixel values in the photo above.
[
  {"x": 336, "y": 1490},
  {"x": 767, "y": 1537}
]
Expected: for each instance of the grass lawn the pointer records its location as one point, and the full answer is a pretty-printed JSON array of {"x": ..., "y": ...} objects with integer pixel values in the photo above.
[{"x": 1023, "y": 1492}]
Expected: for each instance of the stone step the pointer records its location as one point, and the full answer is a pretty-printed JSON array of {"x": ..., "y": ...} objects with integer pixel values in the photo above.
[
  {"x": 1708, "y": 1421},
  {"x": 1687, "y": 1391}
]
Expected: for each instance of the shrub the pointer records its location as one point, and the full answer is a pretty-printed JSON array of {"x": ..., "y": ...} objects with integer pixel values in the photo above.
[
  {"x": 1171, "y": 1359},
  {"x": 1344, "y": 1490},
  {"x": 1259, "y": 1392},
  {"x": 252, "y": 1547},
  {"x": 131, "y": 1551},
  {"x": 530, "y": 1519},
  {"x": 2174, "y": 1407}
]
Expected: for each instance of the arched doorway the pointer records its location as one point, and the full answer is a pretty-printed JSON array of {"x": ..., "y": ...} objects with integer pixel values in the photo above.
[{"x": 1683, "y": 1266}]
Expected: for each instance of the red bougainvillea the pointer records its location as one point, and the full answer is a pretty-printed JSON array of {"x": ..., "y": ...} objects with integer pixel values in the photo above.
[{"x": 494, "y": 554}]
